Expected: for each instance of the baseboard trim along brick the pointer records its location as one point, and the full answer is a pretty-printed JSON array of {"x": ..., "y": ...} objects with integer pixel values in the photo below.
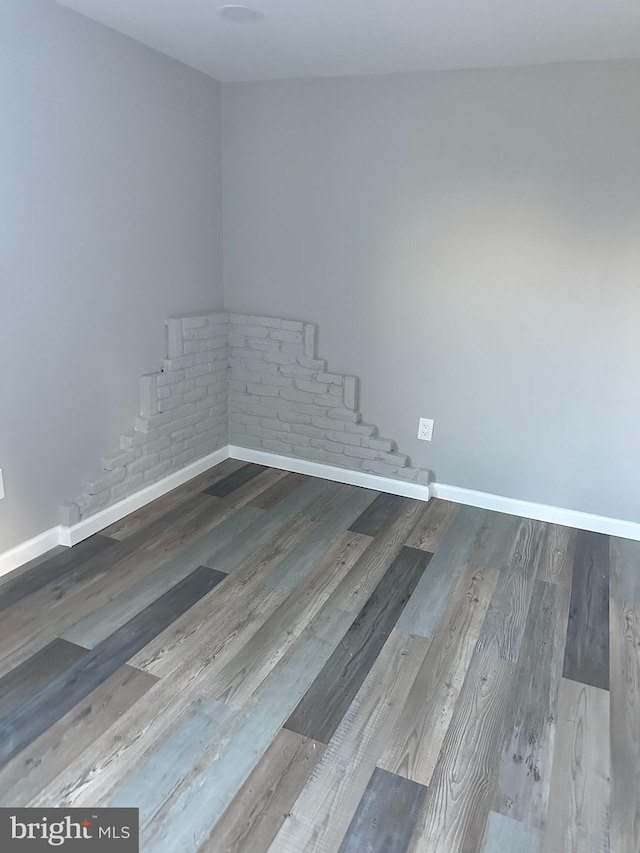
[
  {"x": 331, "y": 472},
  {"x": 540, "y": 512},
  {"x": 72, "y": 534},
  {"x": 69, "y": 535}
]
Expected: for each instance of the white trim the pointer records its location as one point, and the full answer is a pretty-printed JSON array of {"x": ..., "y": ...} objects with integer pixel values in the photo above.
[
  {"x": 94, "y": 523},
  {"x": 28, "y": 550},
  {"x": 68, "y": 536},
  {"x": 541, "y": 512},
  {"x": 331, "y": 472}
]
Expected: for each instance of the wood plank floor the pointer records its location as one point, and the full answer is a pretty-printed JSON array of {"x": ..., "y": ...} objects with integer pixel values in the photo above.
[{"x": 263, "y": 661}]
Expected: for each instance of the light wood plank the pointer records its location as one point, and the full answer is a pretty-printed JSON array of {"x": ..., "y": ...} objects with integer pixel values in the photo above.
[
  {"x": 99, "y": 580},
  {"x": 186, "y": 816},
  {"x": 506, "y": 619},
  {"x": 428, "y": 604},
  {"x": 556, "y": 562},
  {"x": 235, "y": 605},
  {"x": 526, "y": 758},
  {"x": 100, "y": 767},
  {"x": 420, "y": 731},
  {"x": 432, "y": 525},
  {"x": 322, "y": 813},
  {"x": 302, "y": 559},
  {"x": 141, "y": 518},
  {"x": 272, "y": 497},
  {"x": 578, "y": 820},
  {"x": 361, "y": 581},
  {"x": 261, "y": 806},
  {"x": 163, "y": 767},
  {"x": 286, "y": 512},
  {"x": 463, "y": 782},
  {"x": 23, "y": 725},
  {"x": 505, "y": 835},
  {"x": 246, "y": 671},
  {"x": 21, "y": 586},
  {"x": 322, "y": 708},
  {"x": 101, "y": 623},
  {"x": 625, "y": 726},
  {"x": 61, "y": 745}
]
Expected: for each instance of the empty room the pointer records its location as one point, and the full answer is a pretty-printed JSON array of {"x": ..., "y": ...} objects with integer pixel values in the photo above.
[{"x": 320, "y": 426}]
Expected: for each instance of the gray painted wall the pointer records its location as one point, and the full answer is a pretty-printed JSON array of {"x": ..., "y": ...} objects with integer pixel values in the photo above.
[
  {"x": 110, "y": 221},
  {"x": 469, "y": 245}
]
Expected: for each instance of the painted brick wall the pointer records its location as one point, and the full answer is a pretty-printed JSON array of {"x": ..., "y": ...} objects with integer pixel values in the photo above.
[
  {"x": 184, "y": 415},
  {"x": 284, "y": 400},
  {"x": 244, "y": 380}
]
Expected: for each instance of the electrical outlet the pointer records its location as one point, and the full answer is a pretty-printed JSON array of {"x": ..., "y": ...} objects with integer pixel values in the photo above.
[
  {"x": 425, "y": 429},
  {"x": 1, "y": 485}
]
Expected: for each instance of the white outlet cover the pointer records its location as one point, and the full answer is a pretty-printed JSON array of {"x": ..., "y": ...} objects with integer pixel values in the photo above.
[{"x": 425, "y": 429}]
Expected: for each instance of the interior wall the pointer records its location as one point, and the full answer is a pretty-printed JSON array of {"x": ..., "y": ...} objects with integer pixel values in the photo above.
[
  {"x": 110, "y": 222},
  {"x": 469, "y": 244}
]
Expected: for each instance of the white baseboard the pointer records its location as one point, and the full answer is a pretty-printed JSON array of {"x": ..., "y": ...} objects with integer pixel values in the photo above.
[
  {"x": 540, "y": 512},
  {"x": 95, "y": 523},
  {"x": 28, "y": 550},
  {"x": 69, "y": 536},
  {"x": 331, "y": 472},
  {"x": 62, "y": 535}
]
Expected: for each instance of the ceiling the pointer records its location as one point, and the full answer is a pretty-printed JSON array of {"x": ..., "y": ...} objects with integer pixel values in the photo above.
[{"x": 318, "y": 38}]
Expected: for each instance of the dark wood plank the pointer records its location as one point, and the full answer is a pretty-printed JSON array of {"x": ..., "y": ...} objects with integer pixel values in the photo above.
[
  {"x": 386, "y": 815},
  {"x": 625, "y": 726},
  {"x": 262, "y": 804},
  {"x": 272, "y": 496},
  {"x": 625, "y": 569},
  {"x": 319, "y": 712},
  {"x": 26, "y": 583},
  {"x": 586, "y": 656},
  {"x": 27, "y": 679},
  {"x": 64, "y": 742},
  {"x": 382, "y": 510},
  {"x": 233, "y": 481},
  {"x": 25, "y": 723},
  {"x": 321, "y": 815},
  {"x": 367, "y": 572}
]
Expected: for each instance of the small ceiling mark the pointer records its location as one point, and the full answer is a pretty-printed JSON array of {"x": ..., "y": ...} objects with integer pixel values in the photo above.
[{"x": 240, "y": 14}]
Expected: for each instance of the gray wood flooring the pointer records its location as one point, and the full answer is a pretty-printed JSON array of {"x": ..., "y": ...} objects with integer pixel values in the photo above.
[{"x": 262, "y": 661}]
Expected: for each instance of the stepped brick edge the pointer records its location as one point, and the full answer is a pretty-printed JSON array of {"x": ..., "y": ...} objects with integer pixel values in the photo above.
[{"x": 246, "y": 380}]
